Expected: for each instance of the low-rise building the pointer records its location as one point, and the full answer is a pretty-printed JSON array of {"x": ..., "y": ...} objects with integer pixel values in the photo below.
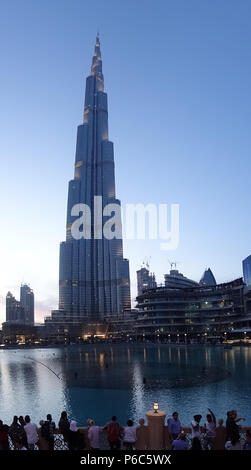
[{"x": 191, "y": 311}]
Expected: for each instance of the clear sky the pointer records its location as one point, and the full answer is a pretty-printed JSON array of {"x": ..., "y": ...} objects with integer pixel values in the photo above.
[{"x": 178, "y": 76}]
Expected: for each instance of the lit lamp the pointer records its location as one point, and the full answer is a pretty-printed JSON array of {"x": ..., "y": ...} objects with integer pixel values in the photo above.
[{"x": 155, "y": 407}]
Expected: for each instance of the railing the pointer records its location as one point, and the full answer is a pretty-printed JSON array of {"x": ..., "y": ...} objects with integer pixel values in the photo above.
[{"x": 142, "y": 442}]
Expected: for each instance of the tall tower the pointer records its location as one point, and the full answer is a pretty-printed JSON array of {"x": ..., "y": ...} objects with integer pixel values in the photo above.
[{"x": 94, "y": 281}]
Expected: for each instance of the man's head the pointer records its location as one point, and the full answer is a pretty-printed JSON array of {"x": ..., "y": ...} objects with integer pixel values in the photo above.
[
  {"x": 209, "y": 418},
  {"x": 220, "y": 421},
  {"x": 130, "y": 422},
  {"x": 197, "y": 418},
  {"x": 90, "y": 422},
  {"x": 49, "y": 418},
  {"x": 114, "y": 419},
  {"x": 175, "y": 415},
  {"x": 27, "y": 419}
]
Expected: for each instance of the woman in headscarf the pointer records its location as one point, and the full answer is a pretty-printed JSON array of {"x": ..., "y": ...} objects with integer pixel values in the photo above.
[{"x": 75, "y": 437}]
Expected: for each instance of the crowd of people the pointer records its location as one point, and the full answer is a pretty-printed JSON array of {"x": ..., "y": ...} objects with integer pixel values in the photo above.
[{"x": 23, "y": 434}]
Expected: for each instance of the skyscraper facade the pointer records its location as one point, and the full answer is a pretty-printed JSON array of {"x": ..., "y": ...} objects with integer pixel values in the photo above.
[
  {"x": 27, "y": 303},
  {"x": 246, "y": 266},
  {"x": 145, "y": 280},
  {"x": 14, "y": 310},
  {"x": 94, "y": 281},
  {"x": 208, "y": 278}
]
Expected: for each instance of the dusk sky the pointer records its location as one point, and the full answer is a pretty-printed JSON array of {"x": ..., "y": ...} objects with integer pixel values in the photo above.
[{"x": 177, "y": 74}]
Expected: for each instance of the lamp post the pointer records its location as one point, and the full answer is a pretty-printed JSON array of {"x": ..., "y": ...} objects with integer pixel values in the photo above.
[
  {"x": 155, "y": 407},
  {"x": 156, "y": 421}
]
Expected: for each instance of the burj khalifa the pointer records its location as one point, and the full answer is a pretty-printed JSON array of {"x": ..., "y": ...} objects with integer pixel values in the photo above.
[{"x": 94, "y": 282}]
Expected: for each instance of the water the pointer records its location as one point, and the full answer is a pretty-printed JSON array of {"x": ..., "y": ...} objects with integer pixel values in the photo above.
[{"x": 99, "y": 381}]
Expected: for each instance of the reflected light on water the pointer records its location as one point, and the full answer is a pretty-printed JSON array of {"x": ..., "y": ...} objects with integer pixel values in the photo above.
[
  {"x": 179, "y": 355},
  {"x": 101, "y": 360},
  {"x": 110, "y": 381},
  {"x": 138, "y": 391},
  {"x": 159, "y": 354}
]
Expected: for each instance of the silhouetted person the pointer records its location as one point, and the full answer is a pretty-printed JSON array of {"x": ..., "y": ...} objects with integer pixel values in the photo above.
[
  {"x": 129, "y": 436},
  {"x": 31, "y": 433},
  {"x": 180, "y": 443},
  {"x": 15, "y": 432},
  {"x": 64, "y": 425},
  {"x": 196, "y": 432},
  {"x": 4, "y": 432},
  {"x": 47, "y": 431},
  {"x": 174, "y": 426},
  {"x": 23, "y": 436},
  {"x": 75, "y": 438},
  {"x": 232, "y": 426},
  {"x": 210, "y": 428},
  {"x": 114, "y": 431},
  {"x": 221, "y": 435}
]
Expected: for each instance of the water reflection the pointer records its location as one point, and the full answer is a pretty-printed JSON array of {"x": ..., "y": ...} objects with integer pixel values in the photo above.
[{"x": 124, "y": 380}]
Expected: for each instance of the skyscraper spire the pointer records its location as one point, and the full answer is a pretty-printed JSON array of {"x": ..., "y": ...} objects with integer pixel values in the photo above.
[{"x": 97, "y": 61}]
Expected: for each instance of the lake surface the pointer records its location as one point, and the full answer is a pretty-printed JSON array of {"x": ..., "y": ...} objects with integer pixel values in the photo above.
[{"x": 98, "y": 381}]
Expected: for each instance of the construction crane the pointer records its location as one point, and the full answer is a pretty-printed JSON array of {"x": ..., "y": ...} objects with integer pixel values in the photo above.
[
  {"x": 173, "y": 264},
  {"x": 146, "y": 262}
]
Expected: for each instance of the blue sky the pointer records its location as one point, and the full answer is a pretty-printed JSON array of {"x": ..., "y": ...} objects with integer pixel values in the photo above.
[{"x": 178, "y": 76}]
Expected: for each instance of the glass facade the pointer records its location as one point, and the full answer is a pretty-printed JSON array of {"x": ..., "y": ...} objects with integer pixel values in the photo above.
[
  {"x": 246, "y": 265},
  {"x": 94, "y": 278}
]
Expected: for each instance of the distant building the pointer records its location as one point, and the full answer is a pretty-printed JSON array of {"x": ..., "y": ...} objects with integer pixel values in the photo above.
[
  {"x": 208, "y": 278},
  {"x": 192, "y": 311},
  {"x": 178, "y": 280},
  {"x": 27, "y": 303},
  {"x": 246, "y": 266},
  {"x": 145, "y": 280},
  {"x": 22, "y": 311},
  {"x": 14, "y": 310}
]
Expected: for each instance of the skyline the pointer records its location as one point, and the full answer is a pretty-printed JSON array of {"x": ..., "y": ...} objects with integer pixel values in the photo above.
[{"x": 194, "y": 104}]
